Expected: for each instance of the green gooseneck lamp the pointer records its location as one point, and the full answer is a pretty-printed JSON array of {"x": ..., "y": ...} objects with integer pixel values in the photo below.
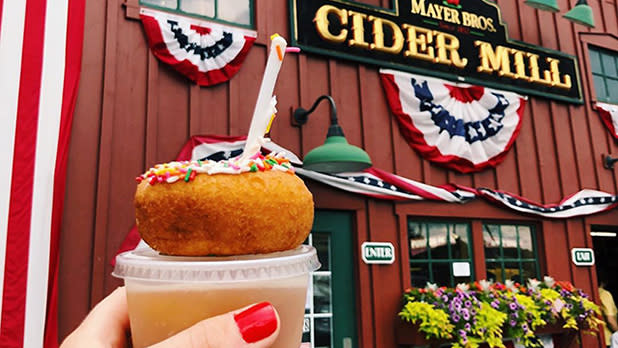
[
  {"x": 581, "y": 14},
  {"x": 336, "y": 155},
  {"x": 545, "y": 5}
]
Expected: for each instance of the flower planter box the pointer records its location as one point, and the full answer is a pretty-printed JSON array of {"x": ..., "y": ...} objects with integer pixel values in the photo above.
[
  {"x": 407, "y": 335},
  {"x": 563, "y": 338}
]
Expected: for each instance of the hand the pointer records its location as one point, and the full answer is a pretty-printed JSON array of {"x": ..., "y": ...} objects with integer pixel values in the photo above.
[{"x": 107, "y": 326}]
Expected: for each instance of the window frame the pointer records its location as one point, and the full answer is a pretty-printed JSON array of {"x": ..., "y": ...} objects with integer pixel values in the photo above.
[
  {"x": 519, "y": 260},
  {"x": 602, "y": 40},
  {"x": 425, "y": 224},
  {"x": 602, "y": 52},
  {"x": 475, "y": 214},
  {"x": 133, "y": 9}
]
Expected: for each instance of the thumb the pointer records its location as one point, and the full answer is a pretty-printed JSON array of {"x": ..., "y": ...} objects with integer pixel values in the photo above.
[{"x": 255, "y": 326}]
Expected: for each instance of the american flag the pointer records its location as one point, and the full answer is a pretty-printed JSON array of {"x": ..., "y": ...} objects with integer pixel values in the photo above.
[{"x": 40, "y": 57}]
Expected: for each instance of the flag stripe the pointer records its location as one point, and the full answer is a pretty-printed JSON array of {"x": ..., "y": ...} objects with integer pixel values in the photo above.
[
  {"x": 20, "y": 208},
  {"x": 0, "y": 13},
  {"x": 50, "y": 106},
  {"x": 11, "y": 40},
  {"x": 74, "y": 40},
  {"x": 40, "y": 60}
]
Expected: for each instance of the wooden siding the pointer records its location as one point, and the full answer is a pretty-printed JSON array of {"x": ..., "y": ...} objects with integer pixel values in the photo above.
[{"x": 133, "y": 112}]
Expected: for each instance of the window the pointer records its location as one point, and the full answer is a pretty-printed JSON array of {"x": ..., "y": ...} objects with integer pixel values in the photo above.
[
  {"x": 239, "y": 12},
  {"x": 317, "y": 328},
  {"x": 440, "y": 252},
  {"x": 510, "y": 252},
  {"x": 604, "y": 67}
]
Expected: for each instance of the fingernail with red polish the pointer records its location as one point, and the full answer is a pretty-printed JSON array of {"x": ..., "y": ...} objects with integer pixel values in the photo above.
[{"x": 257, "y": 322}]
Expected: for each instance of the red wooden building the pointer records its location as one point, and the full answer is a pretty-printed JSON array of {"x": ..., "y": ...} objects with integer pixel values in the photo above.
[{"x": 134, "y": 111}]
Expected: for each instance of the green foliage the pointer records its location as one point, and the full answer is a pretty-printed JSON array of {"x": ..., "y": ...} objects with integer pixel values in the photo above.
[
  {"x": 489, "y": 324},
  {"x": 434, "y": 323},
  {"x": 533, "y": 312},
  {"x": 485, "y": 312}
]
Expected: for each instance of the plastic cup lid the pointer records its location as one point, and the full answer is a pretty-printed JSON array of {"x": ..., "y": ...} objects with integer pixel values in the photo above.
[{"x": 148, "y": 265}]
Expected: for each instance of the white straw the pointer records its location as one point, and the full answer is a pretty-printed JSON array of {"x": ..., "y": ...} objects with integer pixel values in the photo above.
[{"x": 263, "y": 110}]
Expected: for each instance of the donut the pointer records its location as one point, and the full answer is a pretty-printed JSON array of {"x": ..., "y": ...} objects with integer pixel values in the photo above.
[{"x": 233, "y": 207}]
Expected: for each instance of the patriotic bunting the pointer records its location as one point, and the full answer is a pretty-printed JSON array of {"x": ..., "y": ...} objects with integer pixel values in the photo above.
[
  {"x": 379, "y": 184},
  {"x": 205, "y": 52},
  {"x": 459, "y": 126},
  {"x": 376, "y": 183},
  {"x": 609, "y": 116},
  {"x": 40, "y": 61}
]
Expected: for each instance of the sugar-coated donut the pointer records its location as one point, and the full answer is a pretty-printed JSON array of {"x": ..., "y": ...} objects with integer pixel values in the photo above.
[{"x": 223, "y": 208}]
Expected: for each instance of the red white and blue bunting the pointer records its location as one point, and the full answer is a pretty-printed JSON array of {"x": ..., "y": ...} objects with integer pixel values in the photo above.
[
  {"x": 609, "y": 116},
  {"x": 205, "y": 52},
  {"x": 376, "y": 183},
  {"x": 462, "y": 127}
]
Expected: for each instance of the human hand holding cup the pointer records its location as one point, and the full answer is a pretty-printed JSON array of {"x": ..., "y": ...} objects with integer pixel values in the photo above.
[{"x": 168, "y": 294}]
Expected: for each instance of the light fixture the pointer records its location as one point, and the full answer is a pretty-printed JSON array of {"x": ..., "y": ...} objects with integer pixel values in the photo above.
[
  {"x": 603, "y": 234},
  {"x": 608, "y": 161},
  {"x": 545, "y": 5},
  {"x": 336, "y": 155},
  {"x": 581, "y": 14}
]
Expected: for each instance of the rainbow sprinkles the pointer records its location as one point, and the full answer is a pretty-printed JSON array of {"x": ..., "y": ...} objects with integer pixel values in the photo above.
[{"x": 188, "y": 170}]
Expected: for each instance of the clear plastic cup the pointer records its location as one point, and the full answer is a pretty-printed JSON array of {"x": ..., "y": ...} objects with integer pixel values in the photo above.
[{"x": 167, "y": 294}]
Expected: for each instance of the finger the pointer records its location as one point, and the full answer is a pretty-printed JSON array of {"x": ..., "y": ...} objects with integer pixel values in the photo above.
[
  {"x": 255, "y": 326},
  {"x": 107, "y": 323}
]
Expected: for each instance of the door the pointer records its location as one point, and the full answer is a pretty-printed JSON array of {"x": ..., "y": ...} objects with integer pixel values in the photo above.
[
  {"x": 605, "y": 244},
  {"x": 330, "y": 314}
]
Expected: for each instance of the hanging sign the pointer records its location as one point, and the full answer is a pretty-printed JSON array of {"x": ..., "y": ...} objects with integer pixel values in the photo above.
[
  {"x": 459, "y": 40},
  {"x": 378, "y": 252},
  {"x": 582, "y": 256}
]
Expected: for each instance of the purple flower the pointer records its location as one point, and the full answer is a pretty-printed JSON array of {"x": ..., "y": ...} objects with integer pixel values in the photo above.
[
  {"x": 445, "y": 298},
  {"x": 462, "y": 333},
  {"x": 513, "y": 323},
  {"x": 456, "y": 318},
  {"x": 465, "y": 314},
  {"x": 512, "y": 306},
  {"x": 495, "y": 304},
  {"x": 515, "y": 315},
  {"x": 467, "y": 327},
  {"x": 468, "y": 304},
  {"x": 524, "y": 327}
]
